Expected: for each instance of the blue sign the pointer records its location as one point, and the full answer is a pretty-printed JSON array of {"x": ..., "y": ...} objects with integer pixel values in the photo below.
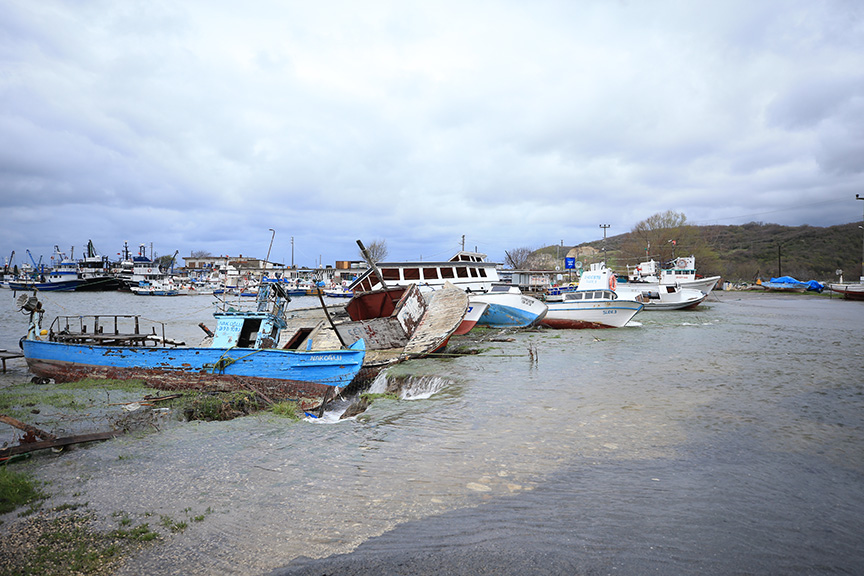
[{"x": 569, "y": 263}]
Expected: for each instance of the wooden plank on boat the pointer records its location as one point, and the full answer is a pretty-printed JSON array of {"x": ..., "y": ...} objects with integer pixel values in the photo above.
[
  {"x": 446, "y": 310},
  {"x": 57, "y": 443}
]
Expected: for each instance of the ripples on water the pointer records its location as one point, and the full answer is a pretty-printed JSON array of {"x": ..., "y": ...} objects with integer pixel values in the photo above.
[{"x": 722, "y": 440}]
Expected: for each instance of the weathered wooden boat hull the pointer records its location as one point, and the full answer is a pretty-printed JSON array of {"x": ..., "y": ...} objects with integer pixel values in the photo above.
[
  {"x": 280, "y": 374},
  {"x": 613, "y": 314},
  {"x": 400, "y": 322}
]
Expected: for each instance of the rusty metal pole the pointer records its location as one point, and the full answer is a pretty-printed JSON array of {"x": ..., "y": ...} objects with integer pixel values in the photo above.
[{"x": 371, "y": 263}]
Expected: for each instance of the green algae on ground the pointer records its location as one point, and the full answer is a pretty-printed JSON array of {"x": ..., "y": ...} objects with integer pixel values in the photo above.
[
  {"x": 210, "y": 406},
  {"x": 68, "y": 544},
  {"x": 287, "y": 409},
  {"x": 17, "y": 489}
]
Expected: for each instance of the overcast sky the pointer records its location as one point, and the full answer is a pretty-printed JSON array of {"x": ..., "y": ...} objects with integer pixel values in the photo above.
[{"x": 202, "y": 124}]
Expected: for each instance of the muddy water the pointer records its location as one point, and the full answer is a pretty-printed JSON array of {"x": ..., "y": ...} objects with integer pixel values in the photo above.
[{"x": 728, "y": 439}]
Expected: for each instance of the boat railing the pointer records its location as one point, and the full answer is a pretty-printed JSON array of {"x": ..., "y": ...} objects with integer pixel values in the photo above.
[{"x": 112, "y": 330}]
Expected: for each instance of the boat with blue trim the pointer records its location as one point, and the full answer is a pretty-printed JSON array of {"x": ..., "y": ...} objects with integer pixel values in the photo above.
[
  {"x": 594, "y": 305},
  {"x": 508, "y": 307},
  {"x": 242, "y": 353}
]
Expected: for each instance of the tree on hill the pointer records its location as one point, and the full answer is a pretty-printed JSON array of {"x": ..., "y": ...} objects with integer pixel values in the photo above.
[{"x": 665, "y": 236}]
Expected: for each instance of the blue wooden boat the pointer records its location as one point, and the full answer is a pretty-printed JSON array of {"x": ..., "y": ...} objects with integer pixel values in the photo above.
[{"x": 242, "y": 353}]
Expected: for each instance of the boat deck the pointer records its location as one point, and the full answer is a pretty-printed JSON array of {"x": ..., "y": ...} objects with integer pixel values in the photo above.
[{"x": 106, "y": 339}]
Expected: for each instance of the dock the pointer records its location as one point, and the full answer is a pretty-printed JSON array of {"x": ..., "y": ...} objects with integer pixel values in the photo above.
[{"x": 6, "y": 355}]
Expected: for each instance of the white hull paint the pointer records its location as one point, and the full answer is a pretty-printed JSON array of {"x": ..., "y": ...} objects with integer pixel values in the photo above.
[{"x": 591, "y": 314}]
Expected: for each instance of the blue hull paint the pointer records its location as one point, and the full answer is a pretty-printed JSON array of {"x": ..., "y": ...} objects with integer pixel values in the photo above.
[
  {"x": 62, "y": 286},
  {"x": 332, "y": 368},
  {"x": 498, "y": 316}
]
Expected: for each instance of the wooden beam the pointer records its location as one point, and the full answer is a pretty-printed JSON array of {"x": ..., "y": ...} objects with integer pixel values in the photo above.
[{"x": 56, "y": 443}]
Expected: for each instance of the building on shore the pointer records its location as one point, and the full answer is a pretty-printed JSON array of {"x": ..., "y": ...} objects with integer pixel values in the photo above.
[{"x": 257, "y": 268}]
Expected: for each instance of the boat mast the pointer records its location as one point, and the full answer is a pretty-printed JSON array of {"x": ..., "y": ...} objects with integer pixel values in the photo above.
[{"x": 371, "y": 263}]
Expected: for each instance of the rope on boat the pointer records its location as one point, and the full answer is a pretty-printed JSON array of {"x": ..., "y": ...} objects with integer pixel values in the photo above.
[{"x": 223, "y": 362}]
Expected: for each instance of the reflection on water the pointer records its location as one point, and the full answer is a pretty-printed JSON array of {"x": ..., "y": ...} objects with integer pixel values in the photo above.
[{"x": 687, "y": 421}]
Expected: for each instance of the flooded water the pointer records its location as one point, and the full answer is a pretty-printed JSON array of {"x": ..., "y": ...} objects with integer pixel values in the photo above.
[{"x": 723, "y": 440}]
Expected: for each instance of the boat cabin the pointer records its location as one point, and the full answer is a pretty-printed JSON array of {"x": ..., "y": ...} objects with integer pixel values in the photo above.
[
  {"x": 246, "y": 330},
  {"x": 253, "y": 329},
  {"x": 589, "y": 295},
  {"x": 465, "y": 270}
]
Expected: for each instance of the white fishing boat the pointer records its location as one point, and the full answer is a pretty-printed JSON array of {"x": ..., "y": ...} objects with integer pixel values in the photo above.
[
  {"x": 682, "y": 272},
  {"x": 508, "y": 307},
  {"x": 662, "y": 296},
  {"x": 158, "y": 287},
  {"x": 594, "y": 305}
]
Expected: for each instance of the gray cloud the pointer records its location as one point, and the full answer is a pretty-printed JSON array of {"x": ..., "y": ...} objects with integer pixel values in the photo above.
[{"x": 199, "y": 126}]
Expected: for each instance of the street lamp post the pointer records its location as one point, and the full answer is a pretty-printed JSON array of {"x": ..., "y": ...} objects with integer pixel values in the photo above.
[
  {"x": 779, "y": 261},
  {"x": 604, "y": 227},
  {"x": 273, "y": 235}
]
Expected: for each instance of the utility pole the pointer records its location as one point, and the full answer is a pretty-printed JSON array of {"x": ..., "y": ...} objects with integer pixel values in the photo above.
[
  {"x": 779, "y": 262},
  {"x": 604, "y": 227},
  {"x": 463, "y": 242},
  {"x": 292, "y": 252},
  {"x": 861, "y": 278}
]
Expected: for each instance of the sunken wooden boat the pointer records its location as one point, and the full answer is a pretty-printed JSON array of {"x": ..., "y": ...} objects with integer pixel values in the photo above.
[
  {"x": 397, "y": 323},
  {"x": 242, "y": 353}
]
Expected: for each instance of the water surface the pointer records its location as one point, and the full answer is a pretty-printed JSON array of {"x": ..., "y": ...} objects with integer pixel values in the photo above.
[{"x": 723, "y": 440}]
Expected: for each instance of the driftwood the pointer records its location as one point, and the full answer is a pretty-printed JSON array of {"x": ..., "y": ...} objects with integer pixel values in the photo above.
[
  {"x": 258, "y": 392},
  {"x": 31, "y": 430},
  {"x": 56, "y": 443},
  {"x": 148, "y": 400}
]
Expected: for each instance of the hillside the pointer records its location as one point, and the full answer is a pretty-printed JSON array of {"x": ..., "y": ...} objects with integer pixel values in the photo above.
[{"x": 746, "y": 252}]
